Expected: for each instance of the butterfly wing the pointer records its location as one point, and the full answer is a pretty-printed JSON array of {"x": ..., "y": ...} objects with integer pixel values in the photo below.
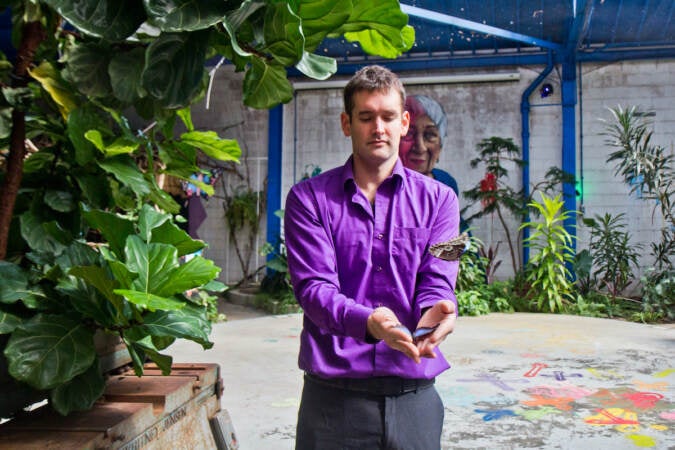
[{"x": 452, "y": 249}]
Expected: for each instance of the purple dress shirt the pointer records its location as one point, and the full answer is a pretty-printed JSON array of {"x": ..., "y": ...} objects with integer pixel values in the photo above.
[{"x": 346, "y": 257}]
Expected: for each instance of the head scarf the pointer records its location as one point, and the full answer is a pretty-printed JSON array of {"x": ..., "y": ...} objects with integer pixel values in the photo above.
[{"x": 421, "y": 104}]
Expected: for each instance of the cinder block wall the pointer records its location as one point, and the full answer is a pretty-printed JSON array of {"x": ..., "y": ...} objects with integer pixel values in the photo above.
[
  {"x": 477, "y": 110},
  {"x": 227, "y": 115}
]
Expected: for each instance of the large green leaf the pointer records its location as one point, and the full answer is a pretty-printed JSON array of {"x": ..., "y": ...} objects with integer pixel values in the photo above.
[
  {"x": 210, "y": 143},
  {"x": 5, "y": 122},
  {"x": 87, "y": 69},
  {"x": 8, "y": 322},
  {"x": 13, "y": 282},
  {"x": 96, "y": 192},
  {"x": 59, "y": 89},
  {"x": 194, "y": 273},
  {"x": 137, "y": 356},
  {"x": 152, "y": 262},
  {"x": 162, "y": 199},
  {"x": 319, "y": 17},
  {"x": 98, "y": 278},
  {"x": 380, "y": 42},
  {"x": 113, "y": 20},
  {"x": 80, "y": 393},
  {"x": 61, "y": 201},
  {"x": 283, "y": 34},
  {"x": 187, "y": 323},
  {"x": 121, "y": 273},
  {"x": 125, "y": 70},
  {"x": 266, "y": 85},
  {"x": 170, "y": 233},
  {"x": 127, "y": 172},
  {"x": 244, "y": 12},
  {"x": 120, "y": 146},
  {"x": 178, "y": 157},
  {"x": 234, "y": 44},
  {"x": 149, "y": 301},
  {"x": 185, "y": 15},
  {"x": 148, "y": 220},
  {"x": 114, "y": 228},
  {"x": 174, "y": 67},
  {"x": 19, "y": 98},
  {"x": 88, "y": 301},
  {"x": 49, "y": 350},
  {"x": 380, "y": 26},
  {"x": 35, "y": 233},
  {"x": 146, "y": 346},
  {"x": 79, "y": 121},
  {"x": 317, "y": 66}
]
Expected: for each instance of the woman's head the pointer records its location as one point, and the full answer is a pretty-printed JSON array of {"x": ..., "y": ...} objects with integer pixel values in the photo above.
[{"x": 420, "y": 148}]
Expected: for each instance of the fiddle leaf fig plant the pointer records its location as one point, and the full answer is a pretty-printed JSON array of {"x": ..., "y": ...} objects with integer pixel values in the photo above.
[
  {"x": 88, "y": 236},
  {"x": 133, "y": 286}
]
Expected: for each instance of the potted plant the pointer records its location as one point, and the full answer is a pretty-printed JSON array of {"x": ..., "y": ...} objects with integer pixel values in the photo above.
[{"x": 88, "y": 237}]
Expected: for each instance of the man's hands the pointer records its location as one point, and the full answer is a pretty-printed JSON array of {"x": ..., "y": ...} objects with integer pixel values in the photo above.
[
  {"x": 443, "y": 314},
  {"x": 383, "y": 324}
]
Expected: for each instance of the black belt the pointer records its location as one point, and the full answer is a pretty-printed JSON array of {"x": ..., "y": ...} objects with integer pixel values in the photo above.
[{"x": 386, "y": 386}]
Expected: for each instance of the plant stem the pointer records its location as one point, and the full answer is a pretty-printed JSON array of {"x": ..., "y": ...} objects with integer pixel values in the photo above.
[
  {"x": 31, "y": 36},
  {"x": 508, "y": 240}
]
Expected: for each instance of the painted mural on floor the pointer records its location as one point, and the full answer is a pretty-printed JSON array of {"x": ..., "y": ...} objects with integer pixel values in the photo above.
[{"x": 573, "y": 396}]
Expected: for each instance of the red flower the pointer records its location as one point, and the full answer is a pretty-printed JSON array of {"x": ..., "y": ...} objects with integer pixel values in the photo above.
[{"x": 488, "y": 184}]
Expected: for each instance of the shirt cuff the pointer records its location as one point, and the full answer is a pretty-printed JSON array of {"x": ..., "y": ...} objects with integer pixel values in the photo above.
[{"x": 356, "y": 323}]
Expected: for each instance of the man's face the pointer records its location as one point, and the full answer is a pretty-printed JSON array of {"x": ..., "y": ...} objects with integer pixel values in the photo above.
[
  {"x": 376, "y": 125},
  {"x": 420, "y": 148}
]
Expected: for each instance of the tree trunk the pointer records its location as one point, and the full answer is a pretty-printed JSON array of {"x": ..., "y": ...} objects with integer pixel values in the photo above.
[{"x": 31, "y": 36}]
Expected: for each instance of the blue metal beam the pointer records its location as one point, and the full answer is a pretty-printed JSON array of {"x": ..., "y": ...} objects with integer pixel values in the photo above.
[
  {"x": 569, "y": 133},
  {"x": 274, "y": 165},
  {"x": 405, "y": 64},
  {"x": 580, "y": 25},
  {"x": 446, "y": 19},
  {"x": 625, "y": 55},
  {"x": 525, "y": 137}
]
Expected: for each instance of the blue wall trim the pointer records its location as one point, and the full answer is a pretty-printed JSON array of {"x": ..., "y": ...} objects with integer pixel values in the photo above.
[
  {"x": 525, "y": 137},
  {"x": 274, "y": 165},
  {"x": 569, "y": 132}
]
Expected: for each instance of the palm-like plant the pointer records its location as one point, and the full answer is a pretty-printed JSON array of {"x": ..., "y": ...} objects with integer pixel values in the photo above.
[{"x": 549, "y": 276}]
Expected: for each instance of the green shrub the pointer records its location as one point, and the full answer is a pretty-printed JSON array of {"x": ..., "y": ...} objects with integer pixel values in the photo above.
[
  {"x": 550, "y": 279},
  {"x": 658, "y": 294},
  {"x": 613, "y": 254}
]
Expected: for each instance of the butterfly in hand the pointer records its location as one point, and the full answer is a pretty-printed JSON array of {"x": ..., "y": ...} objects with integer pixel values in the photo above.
[{"x": 452, "y": 249}]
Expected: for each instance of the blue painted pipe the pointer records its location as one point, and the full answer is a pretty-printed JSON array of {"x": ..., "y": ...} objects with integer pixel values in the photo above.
[{"x": 525, "y": 136}]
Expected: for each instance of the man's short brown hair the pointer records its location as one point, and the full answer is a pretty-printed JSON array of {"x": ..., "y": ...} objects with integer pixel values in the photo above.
[{"x": 372, "y": 78}]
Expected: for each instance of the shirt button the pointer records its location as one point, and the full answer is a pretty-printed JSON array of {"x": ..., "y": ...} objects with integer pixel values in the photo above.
[
  {"x": 380, "y": 236},
  {"x": 378, "y": 269}
]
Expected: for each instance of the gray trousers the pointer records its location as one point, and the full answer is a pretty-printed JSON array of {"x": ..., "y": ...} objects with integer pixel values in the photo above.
[{"x": 332, "y": 418}]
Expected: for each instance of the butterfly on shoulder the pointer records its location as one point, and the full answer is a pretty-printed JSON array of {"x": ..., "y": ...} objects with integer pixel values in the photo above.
[{"x": 452, "y": 249}]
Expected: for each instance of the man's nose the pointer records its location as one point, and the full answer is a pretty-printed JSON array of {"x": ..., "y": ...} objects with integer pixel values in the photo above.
[{"x": 379, "y": 125}]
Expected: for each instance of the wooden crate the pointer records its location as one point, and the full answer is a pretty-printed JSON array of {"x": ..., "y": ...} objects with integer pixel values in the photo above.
[{"x": 150, "y": 412}]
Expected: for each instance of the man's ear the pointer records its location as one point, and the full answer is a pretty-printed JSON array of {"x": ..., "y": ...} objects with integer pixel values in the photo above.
[
  {"x": 405, "y": 122},
  {"x": 345, "y": 122}
]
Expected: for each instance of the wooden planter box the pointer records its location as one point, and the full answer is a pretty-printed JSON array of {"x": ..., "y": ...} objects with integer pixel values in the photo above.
[
  {"x": 150, "y": 412},
  {"x": 14, "y": 396}
]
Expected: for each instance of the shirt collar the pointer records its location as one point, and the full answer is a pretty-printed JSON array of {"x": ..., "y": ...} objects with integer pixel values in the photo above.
[{"x": 398, "y": 175}]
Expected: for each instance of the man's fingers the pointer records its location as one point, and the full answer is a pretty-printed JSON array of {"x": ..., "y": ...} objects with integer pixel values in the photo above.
[{"x": 409, "y": 349}]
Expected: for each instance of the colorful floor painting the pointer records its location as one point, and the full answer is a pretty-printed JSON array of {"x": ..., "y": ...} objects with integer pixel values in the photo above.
[
  {"x": 559, "y": 393},
  {"x": 518, "y": 381}
]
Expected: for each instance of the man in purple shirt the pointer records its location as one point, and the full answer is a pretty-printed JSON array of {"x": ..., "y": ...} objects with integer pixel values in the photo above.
[{"x": 357, "y": 238}]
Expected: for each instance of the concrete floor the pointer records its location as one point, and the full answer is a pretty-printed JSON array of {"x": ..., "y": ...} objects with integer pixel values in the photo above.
[{"x": 518, "y": 381}]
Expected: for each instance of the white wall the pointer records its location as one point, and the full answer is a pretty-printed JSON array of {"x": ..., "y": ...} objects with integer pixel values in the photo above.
[{"x": 312, "y": 137}]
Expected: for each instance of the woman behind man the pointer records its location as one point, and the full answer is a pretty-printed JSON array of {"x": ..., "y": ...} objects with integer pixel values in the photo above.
[{"x": 420, "y": 149}]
